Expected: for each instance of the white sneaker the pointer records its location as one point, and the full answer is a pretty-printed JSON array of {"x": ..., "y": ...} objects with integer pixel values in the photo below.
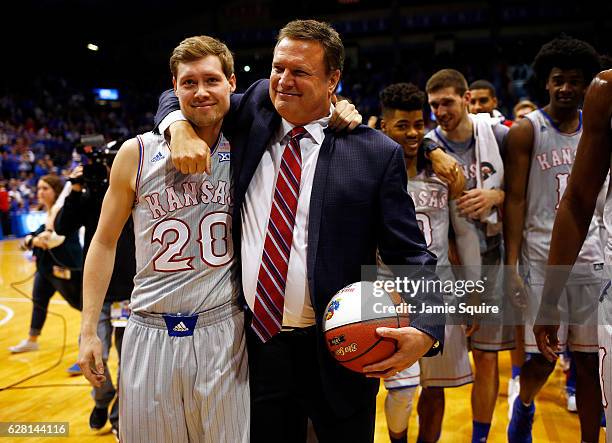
[
  {"x": 571, "y": 403},
  {"x": 24, "y": 345},
  {"x": 514, "y": 387}
]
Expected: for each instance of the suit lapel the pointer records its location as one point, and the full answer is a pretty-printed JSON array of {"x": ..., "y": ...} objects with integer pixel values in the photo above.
[
  {"x": 316, "y": 205},
  {"x": 261, "y": 132}
]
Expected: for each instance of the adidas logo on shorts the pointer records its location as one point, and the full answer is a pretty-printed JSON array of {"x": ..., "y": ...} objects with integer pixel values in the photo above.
[{"x": 180, "y": 327}]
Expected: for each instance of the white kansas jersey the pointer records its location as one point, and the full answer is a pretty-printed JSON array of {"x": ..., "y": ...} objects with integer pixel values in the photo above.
[
  {"x": 430, "y": 197},
  {"x": 182, "y": 224},
  {"x": 552, "y": 158}
]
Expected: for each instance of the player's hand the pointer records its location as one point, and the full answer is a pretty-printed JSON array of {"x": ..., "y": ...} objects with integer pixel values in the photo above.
[
  {"x": 345, "y": 115},
  {"x": 445, "y": 166},
  {"x": 190, "y": 154},
  {"x": 412, "y": 344},
  {"x": 472, "y": 322},
  {"x": 547, "y": 340},
  {"x": 90, "y": 359},
  {"x": 372, "y": 121},
  {"x": 477, "y": 203},
  {"x": 471, "y": 327},
  {"x": 456, "y": 187},
  {"x": 515, "y": 288}
]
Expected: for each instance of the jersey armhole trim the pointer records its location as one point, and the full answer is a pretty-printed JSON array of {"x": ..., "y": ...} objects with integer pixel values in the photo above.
[{"x": 139, "y": 171}]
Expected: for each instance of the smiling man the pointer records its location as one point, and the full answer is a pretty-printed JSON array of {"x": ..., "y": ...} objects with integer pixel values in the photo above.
[
  {"x": 184, "y": 370},
  {"x": 474, "y": 143},
  {"x": 543, "y": 147},
  {"x": 314, "y": 207}
]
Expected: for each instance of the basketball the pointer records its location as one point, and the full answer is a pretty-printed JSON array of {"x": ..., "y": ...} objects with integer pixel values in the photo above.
[{"x": 350, "y": 323}]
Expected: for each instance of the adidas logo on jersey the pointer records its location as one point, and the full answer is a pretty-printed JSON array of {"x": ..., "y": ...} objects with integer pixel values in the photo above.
[
  {"x": 180, "y": 327},
  {"x": 159, "y": 156}
]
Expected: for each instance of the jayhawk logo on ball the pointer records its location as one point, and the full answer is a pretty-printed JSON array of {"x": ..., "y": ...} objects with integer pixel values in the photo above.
[{"x": 335, "y": 304}]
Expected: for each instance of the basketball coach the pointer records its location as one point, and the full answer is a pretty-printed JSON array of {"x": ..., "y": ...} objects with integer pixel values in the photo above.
[{"x": 310, "y": 208}]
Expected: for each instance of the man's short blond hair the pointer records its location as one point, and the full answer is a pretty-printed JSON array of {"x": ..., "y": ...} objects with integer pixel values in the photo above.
[{"x": 195, "y": 48}]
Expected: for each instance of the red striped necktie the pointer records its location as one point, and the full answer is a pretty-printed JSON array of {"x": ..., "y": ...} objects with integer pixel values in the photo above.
[{"x": 272, "y": 277}]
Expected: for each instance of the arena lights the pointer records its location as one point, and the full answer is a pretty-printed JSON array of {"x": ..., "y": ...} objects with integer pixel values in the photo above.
[
  {"x": 246, "y": 68},
  {"x": 92, "y": 47}
]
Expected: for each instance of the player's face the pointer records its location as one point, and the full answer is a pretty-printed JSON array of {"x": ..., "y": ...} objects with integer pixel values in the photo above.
[
  {"x": 481, "y": 101},
  {"x": 448, "y": 107},
  {"x": 300, "y": 86},
  {"x": 405, "y": 127},
  {"x": 566, "y": 87},
  {"x": 522, "y": 112},
  {"x": 45, "y": 193},
  {"x": 203, "y": 90}
]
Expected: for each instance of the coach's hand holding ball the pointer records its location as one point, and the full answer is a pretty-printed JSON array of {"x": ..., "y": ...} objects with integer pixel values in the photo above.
[{"x": 364, "y": 333}]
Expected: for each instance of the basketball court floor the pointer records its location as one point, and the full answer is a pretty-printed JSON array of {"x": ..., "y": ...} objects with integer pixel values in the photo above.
[{"x": 54, "y": 396}]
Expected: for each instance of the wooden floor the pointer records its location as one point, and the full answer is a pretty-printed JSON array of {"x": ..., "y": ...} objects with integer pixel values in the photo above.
[{"x": 57, "y": 397}]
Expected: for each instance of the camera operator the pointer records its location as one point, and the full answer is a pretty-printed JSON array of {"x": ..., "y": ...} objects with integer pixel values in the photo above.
[
  {"x": 59, "y": 263},
  {"x": 82, "y": 208}
]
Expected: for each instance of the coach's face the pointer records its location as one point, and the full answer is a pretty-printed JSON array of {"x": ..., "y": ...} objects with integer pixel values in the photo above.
[
  {"x": 203, "y": 90},
  {"x": 300, "y": 86}
]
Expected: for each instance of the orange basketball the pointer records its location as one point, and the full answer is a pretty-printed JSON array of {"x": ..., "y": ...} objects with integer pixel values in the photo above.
[{"x": 350, "y": 323}]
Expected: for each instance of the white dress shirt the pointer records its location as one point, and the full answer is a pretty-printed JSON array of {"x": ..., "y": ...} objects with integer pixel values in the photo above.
[{"x": 298, "y": 310}]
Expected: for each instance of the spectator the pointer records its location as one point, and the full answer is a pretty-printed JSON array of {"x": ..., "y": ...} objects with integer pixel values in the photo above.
[{"x": 58, "y": 261}]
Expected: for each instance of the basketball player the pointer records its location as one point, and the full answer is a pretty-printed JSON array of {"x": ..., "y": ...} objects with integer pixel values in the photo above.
[
  {"x": 484, "y": 99},
  {"x": 184, "y": 365},
  {"x": 592, "y": 164},
  {"x": 403, "y": 121},
  {"x": 461, "y": 135},
  {"x": 543, "y": 147}
]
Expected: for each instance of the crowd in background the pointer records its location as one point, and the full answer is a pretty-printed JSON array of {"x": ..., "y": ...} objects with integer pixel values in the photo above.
[{"x": 40, "y": 131}]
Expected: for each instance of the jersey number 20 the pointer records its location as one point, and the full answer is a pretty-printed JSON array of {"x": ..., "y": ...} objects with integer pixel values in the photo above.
[{"x": 216, "y": 246}]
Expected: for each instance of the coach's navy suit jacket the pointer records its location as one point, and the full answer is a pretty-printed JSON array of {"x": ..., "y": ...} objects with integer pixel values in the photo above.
[{"x": 358, "y": 203}]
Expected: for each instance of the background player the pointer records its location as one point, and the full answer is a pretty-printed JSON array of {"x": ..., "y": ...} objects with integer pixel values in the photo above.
[
  {"x": 483, "y": 98},
  {"x": 543, "y": 147},
  {"x": 591, "y": 167},
  {"x": 403, "y": 121},
  {"x": 448, "y": 96},
  {"x": 184, "y": 365}
]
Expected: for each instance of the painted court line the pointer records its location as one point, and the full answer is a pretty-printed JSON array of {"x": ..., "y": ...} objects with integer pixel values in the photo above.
[
  {"x": 25, "y": 300},
  {"x": 9, "y": 314}
]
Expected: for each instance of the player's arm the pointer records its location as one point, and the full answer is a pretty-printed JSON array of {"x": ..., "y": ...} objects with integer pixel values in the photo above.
[
  {"x": 519, "y": 144},
  {"x": 457, "y": 186},
  {"x": 468, "y": 251},
  {"x": 100, "y": 260},
  {"x": 191, "y": 154},
  {"x": 444, "y": 165}
]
